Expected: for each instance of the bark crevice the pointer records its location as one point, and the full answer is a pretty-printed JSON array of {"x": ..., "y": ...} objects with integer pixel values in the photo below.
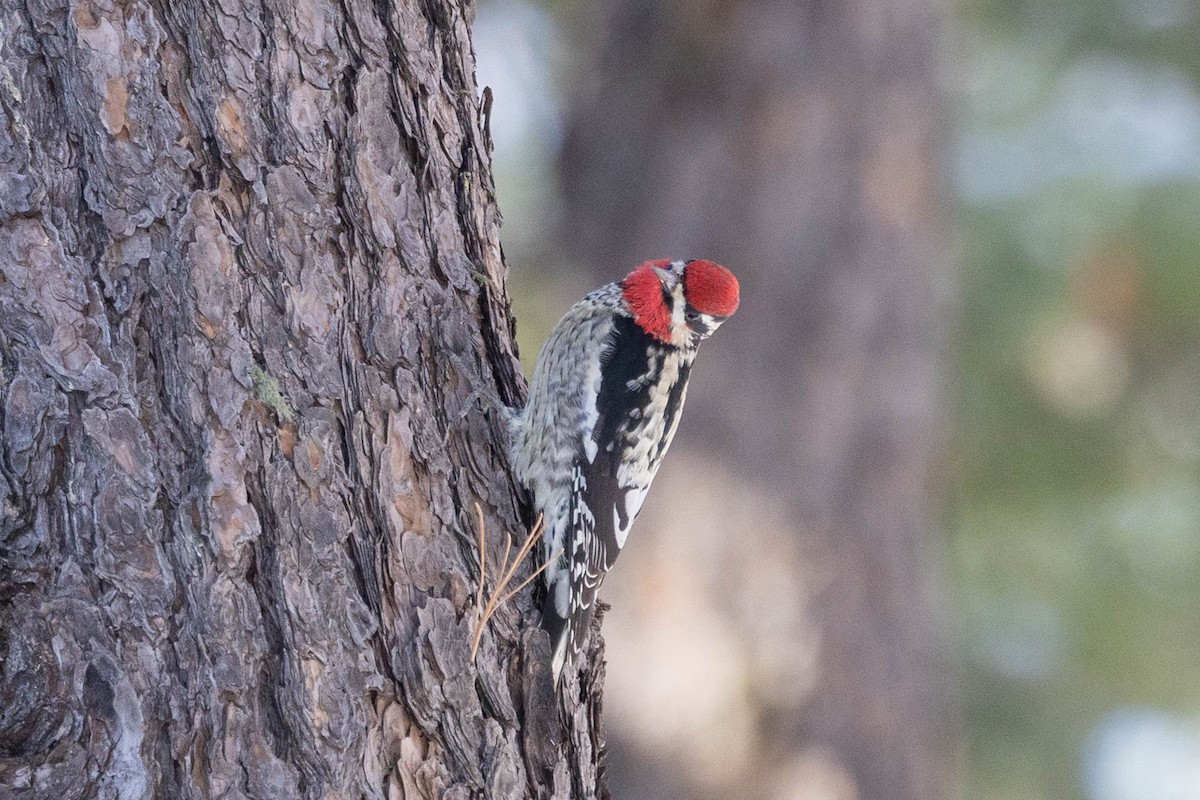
[{"x": 255, "y": 346}]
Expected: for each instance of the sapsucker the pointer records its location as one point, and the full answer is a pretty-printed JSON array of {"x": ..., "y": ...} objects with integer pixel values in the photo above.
[{"x": 603, "y": 406}]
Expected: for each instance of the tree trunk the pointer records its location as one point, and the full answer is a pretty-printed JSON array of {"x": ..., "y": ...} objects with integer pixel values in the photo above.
[
  {"x": 255, "y": 340},
  {"x": 799, "y": 144}
]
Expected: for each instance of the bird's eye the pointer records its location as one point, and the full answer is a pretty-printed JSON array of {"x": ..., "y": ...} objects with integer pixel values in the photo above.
[{"x": 691, "y": 315}]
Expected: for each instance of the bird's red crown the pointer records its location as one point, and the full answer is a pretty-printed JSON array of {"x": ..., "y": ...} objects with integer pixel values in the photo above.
[{"x": 710, "y": 288}]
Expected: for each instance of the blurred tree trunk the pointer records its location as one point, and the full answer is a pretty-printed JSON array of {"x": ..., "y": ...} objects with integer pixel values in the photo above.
[
  {"x": 799, "y": 144},
  {"x": 254, "y": 338}
]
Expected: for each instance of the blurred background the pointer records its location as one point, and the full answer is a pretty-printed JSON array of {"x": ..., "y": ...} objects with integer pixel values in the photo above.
[{"x": 931, "y": 525}]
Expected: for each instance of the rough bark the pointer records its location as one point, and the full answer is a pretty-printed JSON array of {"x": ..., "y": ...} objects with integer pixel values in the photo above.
[
  {"x": 800, "y": 144},
  {"x": 254, "y": 343}
]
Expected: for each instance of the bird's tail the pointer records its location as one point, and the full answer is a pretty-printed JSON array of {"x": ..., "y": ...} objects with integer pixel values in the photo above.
[
  {"x": 567, "y": 634},
  {"x": 559, "y": 628},
  {"x": 560, "y": 654}
]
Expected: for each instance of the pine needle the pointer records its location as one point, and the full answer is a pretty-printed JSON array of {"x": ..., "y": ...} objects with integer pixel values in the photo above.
[{"x": 506, "y": 572}]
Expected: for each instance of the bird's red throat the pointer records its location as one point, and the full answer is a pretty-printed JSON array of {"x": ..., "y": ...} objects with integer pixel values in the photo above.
[{"x": 643, "y": 292}]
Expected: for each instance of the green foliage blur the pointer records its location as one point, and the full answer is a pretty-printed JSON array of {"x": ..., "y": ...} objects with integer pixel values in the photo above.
[
  {"x": 1072, "y": 501},
  {"x": 1073, "y": 510}
]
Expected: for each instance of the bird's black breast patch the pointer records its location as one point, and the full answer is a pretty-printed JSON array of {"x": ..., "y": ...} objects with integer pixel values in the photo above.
[{"x": 627, "y": 373}]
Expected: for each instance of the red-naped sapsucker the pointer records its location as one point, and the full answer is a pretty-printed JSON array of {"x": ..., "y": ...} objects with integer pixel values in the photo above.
[{"x": 604, "y": 403}]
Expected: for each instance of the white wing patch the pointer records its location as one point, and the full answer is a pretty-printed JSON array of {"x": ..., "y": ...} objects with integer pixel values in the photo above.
[{"x": 634, "y": 497}]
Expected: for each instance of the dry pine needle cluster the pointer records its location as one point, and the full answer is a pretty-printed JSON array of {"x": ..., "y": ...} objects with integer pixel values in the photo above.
[{"x": 500, "y": 592}]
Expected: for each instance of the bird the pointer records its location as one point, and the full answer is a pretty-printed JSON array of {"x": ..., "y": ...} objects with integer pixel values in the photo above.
[{"x": 604, "y": 404}]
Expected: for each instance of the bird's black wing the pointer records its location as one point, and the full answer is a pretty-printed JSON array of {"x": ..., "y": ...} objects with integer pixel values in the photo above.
[{"x": 606, "y": 499}]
